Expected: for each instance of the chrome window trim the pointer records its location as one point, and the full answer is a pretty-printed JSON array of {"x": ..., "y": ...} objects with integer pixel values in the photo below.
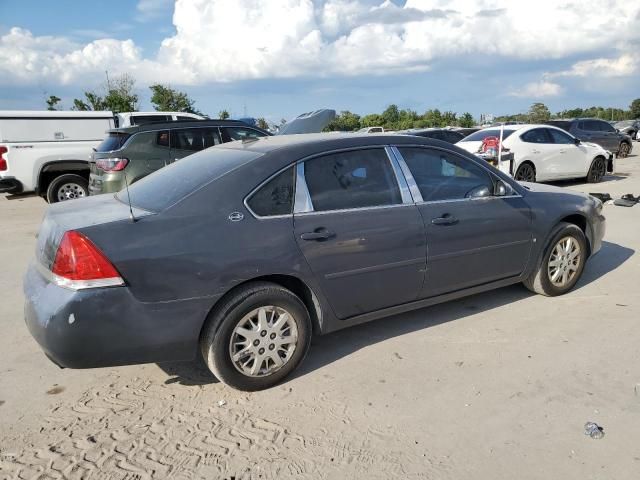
[
  {"x": 247, "y": 197},
  {"x": 302, "y": 199},
  {"x": 359, "y": 209},
  {"x": 405, "y": 193},
  {"x": 411, "y": 182}
]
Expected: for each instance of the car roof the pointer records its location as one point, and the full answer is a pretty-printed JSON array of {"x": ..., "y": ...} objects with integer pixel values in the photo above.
[
  {"x": 182, "y": 124},
  {"x": 325, "y": 141}
]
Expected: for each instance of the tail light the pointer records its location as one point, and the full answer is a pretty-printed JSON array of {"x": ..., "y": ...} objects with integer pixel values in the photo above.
[
  {"x": 80, "y": 264},
  {"x": 3, "y": 161},
  {"x": 112, "y": 164}
]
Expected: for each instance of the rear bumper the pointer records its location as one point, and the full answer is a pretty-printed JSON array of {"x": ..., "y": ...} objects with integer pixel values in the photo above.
[
  {"x": 10, "y": 185},
  {"x": 106, "y": 183},
  {"x": 108, "y": 326}
]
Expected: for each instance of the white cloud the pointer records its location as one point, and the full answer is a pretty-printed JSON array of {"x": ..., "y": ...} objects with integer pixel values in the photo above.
[
  {"x": 150, "y": 9},
  {"x": 624, "y": 66},
  {"x": 540, "y": 89},
  {"x": 217, "y": 41}
]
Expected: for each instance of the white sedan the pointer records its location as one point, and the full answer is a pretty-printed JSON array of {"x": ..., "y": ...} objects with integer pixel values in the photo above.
[{"x": 545, "y": 153}]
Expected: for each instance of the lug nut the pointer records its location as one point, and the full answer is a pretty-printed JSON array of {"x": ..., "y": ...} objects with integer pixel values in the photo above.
[
  {"x": 261, "y": 351},
  {"x": 263, "y": 333},
  {"x": 272, "y": 346},
  {"x": 256, "y": 343},
  {"x": 272, "y": 336}
]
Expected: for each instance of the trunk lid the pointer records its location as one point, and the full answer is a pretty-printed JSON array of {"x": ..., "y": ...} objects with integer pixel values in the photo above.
[{"x": 77, "y": 215}]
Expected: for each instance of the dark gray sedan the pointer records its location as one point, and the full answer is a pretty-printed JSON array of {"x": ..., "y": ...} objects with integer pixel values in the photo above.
[{"x": 241, "y": 252}]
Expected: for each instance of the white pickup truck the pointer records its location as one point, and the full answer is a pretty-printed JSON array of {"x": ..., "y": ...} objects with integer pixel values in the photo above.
[{"x": 48, "y": 152}]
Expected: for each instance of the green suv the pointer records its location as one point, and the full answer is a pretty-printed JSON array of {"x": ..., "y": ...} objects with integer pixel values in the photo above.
[{"x": 138, "y": 151}]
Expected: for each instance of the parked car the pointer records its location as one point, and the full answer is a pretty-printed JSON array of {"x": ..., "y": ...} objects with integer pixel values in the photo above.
[
  {"x": 371, "y": 130},
  {"x": 466, "y": 131},
  {"x": 135, "y": 152},
  {"x": 449, "y": 136},
  {"x": 240, "y": 252},
  {"x": 597, "y": 131},
  {"x": 628, "y": 127},
  {"x": 129, "y": 119},
  {"x": 48, "y": 152},
  {"x": 545, "y": 153}
]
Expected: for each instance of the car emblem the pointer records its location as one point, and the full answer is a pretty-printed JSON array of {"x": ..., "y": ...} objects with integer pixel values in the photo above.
[{"x": 236, "y": 216}]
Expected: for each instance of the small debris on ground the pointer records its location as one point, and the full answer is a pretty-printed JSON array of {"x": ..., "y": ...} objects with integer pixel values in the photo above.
[
  {"x": 593, "y": 430},
  {"x": 222, "y": 403}
]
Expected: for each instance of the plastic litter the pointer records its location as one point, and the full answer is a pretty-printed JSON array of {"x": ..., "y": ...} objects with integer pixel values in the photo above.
[
  {"x": 221, "y": 403},
  {"x": 593, "y": 430}
]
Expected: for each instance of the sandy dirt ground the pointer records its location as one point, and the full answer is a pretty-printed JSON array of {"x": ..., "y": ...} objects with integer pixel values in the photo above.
[{"x": 495, "y": 386}]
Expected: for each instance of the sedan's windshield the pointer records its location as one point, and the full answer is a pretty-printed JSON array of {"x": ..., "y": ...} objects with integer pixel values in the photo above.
[{"x": 170, "y": 184}]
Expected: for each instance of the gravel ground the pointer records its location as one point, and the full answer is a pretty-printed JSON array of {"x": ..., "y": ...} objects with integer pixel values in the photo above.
[{"x": 498, "y": 385}]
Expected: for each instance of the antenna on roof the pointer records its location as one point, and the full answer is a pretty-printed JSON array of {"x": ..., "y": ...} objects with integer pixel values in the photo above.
[{"x": 126, "y": 185}]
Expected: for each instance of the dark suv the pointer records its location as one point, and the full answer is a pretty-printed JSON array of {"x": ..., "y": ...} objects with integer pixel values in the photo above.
[
  {"x": 596, "y": 131},
  {"x": 138, "y": 151}
]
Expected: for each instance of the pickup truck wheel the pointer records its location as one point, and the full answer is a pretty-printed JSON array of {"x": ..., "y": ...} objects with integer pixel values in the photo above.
[
  {"x": 67, "y": 187},
  {"x": 624, "y": 149},
  {"x": 257, "y": 337}
]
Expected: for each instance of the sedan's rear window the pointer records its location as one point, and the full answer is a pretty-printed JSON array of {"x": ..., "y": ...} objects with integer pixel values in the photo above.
[
  {"x": 482, "y": 134},
  {"x": 114, "y": 141},
  {"x": 170, "y": 184}
]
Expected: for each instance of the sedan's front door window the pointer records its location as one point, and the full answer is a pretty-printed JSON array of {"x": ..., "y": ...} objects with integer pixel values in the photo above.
[
  {"x": 560, "y": 137},
  {"x": 444, "y": 176},
  {"x": 355, "y": 179}
]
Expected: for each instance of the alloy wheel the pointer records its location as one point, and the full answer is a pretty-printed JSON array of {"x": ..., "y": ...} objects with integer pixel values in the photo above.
[
  {"x": 263, "y": 341},
  {"x": 526, "y": 173},
  {"x": 70, "y": 191},
  {"x": 564, "y": 261},
  {"x": 597, "y": 170},
  {"x": 623, "y": 151}
]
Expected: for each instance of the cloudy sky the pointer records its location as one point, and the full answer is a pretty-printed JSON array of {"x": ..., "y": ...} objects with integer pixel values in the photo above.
[{"x": 278, "y": 58}]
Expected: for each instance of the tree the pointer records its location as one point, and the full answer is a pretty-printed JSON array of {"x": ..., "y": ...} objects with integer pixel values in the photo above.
[
  {"x": 634, "y": 108},
  {"x": 119, "y": 96},
  {"x": 223, "y": 114},
  {"x": 538, "y": 113},
  {"x": 52, "y": 101},
  {"x": 345, "y": 121},
  {"x": 466, "y": 120},
  {"x": 167, "y": 99},
  {"x": 262, "y": 123},
  {"x": 390, "y": 116},
  {"x": 371, "y": 120}
]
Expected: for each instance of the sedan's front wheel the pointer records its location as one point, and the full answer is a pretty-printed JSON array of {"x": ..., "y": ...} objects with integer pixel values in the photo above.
[
  {"x": 597, "y": 171},
  {"x": 256, "y": 337},
  {"x": 562, "y": 262}
]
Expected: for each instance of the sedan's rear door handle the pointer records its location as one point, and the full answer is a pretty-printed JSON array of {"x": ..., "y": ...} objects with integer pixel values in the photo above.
[
  {"x": 445, "y": 220},
  {"x": 319, "y": 234},
  {"x": 535, "y": 151}
]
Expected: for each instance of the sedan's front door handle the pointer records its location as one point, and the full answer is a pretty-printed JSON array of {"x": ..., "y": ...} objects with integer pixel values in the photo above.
[
  {"x": 317, "y": 235},
  {"x": 445, "y": 220}
]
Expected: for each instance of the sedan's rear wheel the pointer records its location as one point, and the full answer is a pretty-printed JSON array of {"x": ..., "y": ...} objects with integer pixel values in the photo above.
[
  {"x": 624, "y": 150},
  {"x": 256, "y": 337},
  {"x": 597, "y": 170},
  {"x": 525, "y": 173},
  {"x": 562, "y": 263}
]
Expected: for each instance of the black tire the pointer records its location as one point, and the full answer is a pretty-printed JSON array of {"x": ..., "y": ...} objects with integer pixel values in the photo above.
[
  {"x": 540, "y": 279},
  {"x": 67, "y": 187},
  {"x": 597, "y": 171},
  {"x": 526, "y": 173},
  {"x": 623, "y": 150},
  {"x": 216, "y": 337}
]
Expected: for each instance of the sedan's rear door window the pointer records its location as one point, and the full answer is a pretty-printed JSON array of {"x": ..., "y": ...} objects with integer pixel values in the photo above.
[
  {"x": 440, "y": 175},
  {"x": 537, "y": 135},
  {"x": 354, "y": 179}
]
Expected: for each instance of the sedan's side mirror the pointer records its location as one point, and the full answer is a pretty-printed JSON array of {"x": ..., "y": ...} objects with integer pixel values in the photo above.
[
  {"x": 479, "y": 192},
  {"x": 502, "y": 189},
  {"x": 577, "y": 141}
]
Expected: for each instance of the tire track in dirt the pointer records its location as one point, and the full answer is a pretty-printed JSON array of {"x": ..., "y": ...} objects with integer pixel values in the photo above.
[{"x": 141, "y": 431}]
